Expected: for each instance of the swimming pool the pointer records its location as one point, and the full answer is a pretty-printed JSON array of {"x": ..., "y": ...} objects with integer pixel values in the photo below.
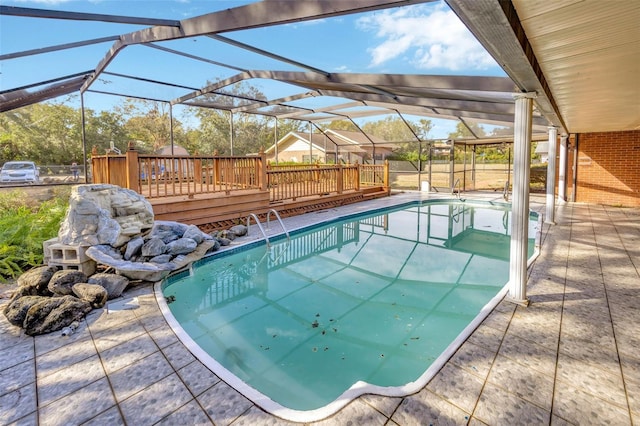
[{"x": 364, "y": 304}]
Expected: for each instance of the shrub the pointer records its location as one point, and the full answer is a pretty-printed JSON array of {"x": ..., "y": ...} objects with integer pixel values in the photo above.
[{"x": 25, "y": 223}]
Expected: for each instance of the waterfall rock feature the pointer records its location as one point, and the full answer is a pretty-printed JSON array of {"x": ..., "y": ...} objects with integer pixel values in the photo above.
[{"x": 104, "y": 214}]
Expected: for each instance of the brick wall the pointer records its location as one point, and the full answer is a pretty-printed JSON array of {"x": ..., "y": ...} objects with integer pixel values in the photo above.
[{"x": 608, "y": 169}]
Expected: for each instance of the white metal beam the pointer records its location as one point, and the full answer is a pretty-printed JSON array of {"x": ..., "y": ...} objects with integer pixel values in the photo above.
[
  {"x": 253, "y": 15},
  {"x": 496, "y": 25}
]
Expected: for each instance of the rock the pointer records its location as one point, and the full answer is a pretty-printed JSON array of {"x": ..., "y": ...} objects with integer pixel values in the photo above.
[
  {"x": 181, "y": 246},
  {"x": 195, "y": 234},
  {"x": 54, "y": 313},
  {"x": 95, "y": 294},
  {"x": 113, "y": 284},
  {"x": 133, "y": 270},
  {"x": 103, "y": 214},
  {"x": 154, "y": 247},
  {"x": 239, "y": 230},
  {"x": 215, "y": 247},
  {"x": 133, "y": 248},
  {"x": 224, "y": 241},
  {"x": 163, "y": 258},
  {"x": 106, "y": 250},
  {"x": 16, "y": 310},
  {"x": 227, "y": 234},
  {"x": 35, "y": 281},
  {"x": 168, "y": 231},
  {"x": 62, "y": 281}
]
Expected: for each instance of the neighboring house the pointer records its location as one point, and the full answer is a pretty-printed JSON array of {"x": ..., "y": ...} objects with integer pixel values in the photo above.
[
  {"x": 163, "y": 166},
  {"x": 166, "y": 150},
  {"x": 329, "y": 147}
]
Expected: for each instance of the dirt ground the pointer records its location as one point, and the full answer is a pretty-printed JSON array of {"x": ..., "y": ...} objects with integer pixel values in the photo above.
[
  {"x": 488, "y": 179},
  {"x": 37, "y": 193}
]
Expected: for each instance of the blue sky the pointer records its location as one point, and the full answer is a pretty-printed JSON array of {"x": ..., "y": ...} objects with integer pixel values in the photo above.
[{"x": 421, "y": 39}]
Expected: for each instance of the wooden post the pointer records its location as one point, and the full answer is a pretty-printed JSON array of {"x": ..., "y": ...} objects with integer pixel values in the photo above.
[
  {"x": 197, "y": 170},
  {"x": 387, "y": 187},
  {"x": 262, "y": 171},
  {"x": 96, "y": 166},
  {"x": 358, "y": 171},
  {"x": 131, "y": 165},
  {"x": 339, "y": 181}
]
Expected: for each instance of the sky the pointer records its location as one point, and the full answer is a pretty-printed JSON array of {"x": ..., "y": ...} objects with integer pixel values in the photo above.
[{"x": 421, "y": 39}]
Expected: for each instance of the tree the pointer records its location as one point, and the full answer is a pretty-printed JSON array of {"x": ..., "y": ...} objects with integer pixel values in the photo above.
[
  {"x": 147, "y": 123},
  {"x": 393, "y": 129},
  {"x": 104, "y": 128},
  {"x": 251, "y": 132},
  {"x": 468, "y": 130},
  {"x": 47, "y": 133},
  {"x": 346, "y": 125}
]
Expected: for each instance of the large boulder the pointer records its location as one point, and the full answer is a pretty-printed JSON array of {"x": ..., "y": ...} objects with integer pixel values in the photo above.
[
  {"x": 112, "y": 283},
  {"x": 95, "y": 294},
  {"x": 34, "y": 282},
  {"x": 61, "y": 282},
  {"x": 16, "y": 310},
  {"x": 53, "y": 314},
  {"x": 104, "y": 214},
  {"x": 42, "y": 314}
]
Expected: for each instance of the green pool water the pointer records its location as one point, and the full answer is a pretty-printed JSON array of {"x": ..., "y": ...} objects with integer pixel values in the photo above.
[{"x": 374, "y": 298}]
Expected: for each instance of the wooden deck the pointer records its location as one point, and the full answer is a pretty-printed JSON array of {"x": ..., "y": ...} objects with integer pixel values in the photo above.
[
  {"x": 212, "y": 211},
  {"x": 215, "y": 192}
]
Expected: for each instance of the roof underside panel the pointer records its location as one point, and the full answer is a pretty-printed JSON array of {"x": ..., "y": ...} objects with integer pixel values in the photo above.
[{"x": 590, "y": 53}]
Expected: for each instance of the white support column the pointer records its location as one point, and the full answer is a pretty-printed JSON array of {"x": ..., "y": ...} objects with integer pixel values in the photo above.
[
  {"x": 520, "y": 203},
  {"x": 562, "y": 170},
  {"x": 551, "y": 176}
]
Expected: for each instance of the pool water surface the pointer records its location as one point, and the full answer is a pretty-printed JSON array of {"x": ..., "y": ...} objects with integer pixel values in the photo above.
[{"x": 362, "y": 304}]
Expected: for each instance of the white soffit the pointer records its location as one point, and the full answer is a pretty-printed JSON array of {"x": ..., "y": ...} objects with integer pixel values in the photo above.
[{"x": 589, "y": 53}]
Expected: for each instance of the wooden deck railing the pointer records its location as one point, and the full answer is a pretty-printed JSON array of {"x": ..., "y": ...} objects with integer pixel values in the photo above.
[
  {"x": 155, "y": 176},
  {"x": 189, "y": 175},
  {"x": 292, "y": 183}
]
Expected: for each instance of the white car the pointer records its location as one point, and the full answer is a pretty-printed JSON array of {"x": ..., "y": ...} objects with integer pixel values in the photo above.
[{"x": 19, "y": 172}]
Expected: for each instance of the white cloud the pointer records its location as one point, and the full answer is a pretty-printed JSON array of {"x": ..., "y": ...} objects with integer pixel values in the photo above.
[
  {"x": 431, "y": 37},
  {"x": 342, "y": 68}
]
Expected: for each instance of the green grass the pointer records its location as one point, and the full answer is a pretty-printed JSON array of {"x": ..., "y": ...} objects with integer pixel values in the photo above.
[{"x": 25, "y": 224}]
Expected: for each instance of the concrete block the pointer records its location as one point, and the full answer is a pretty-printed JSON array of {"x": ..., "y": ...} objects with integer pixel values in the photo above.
[
  {"x": 88, "y": 267},
  {"x": 46, "y": 249},
  {"x": 63, "y": 253}
]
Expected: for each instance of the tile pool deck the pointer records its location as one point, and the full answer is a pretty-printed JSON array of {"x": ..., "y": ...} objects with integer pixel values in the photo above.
[{"x": 571, "y": 357}]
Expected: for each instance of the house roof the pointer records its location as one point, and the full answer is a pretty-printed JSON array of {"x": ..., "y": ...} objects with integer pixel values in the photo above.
[{"x": 330, "y": 140}]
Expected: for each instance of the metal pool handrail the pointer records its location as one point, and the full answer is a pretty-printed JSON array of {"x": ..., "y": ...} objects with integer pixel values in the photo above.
[
  {"x": 264, "y": 234},
  {"x": 275, "y": 213}
]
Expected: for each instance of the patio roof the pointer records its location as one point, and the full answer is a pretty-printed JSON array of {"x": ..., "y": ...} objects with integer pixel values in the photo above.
[{"x": 532, "y": 49}]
